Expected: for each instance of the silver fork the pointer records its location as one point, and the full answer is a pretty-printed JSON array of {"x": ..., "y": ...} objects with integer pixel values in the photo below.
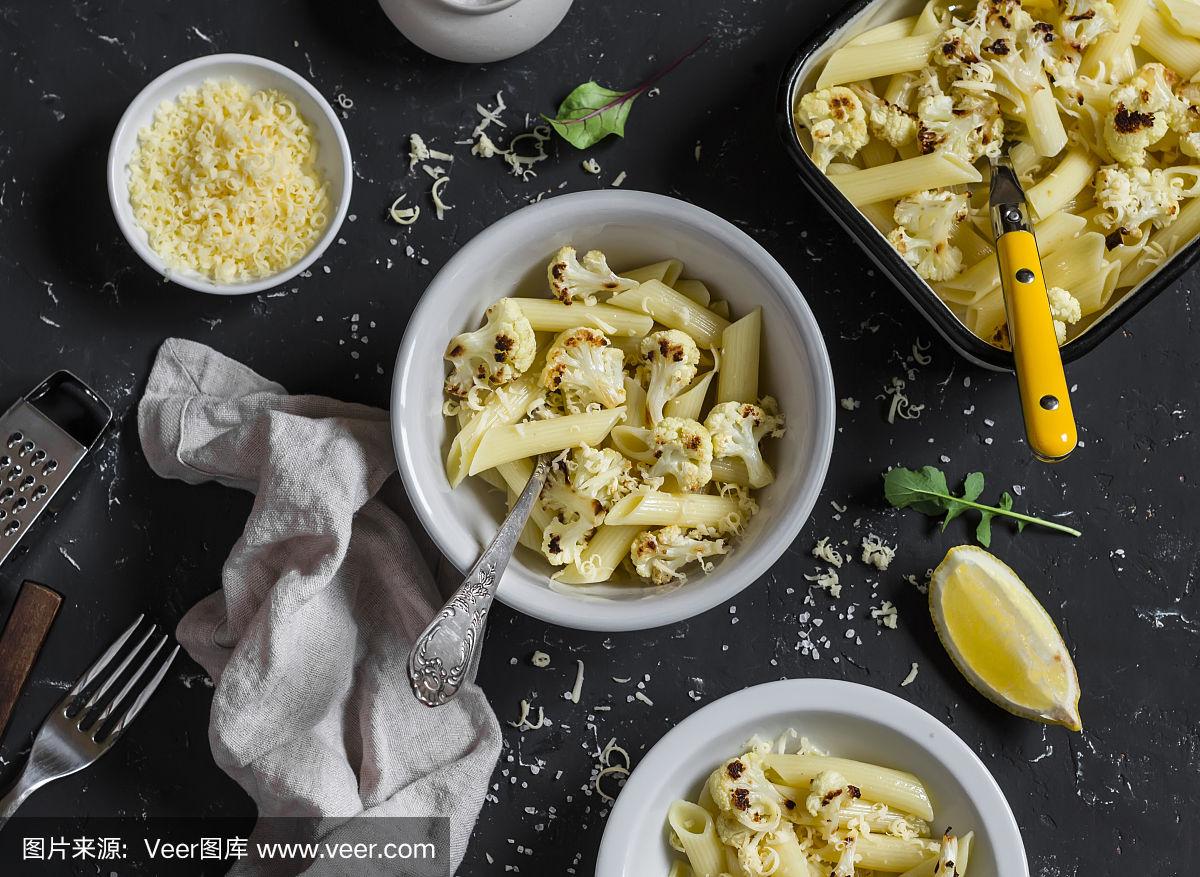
[{"x": 69, "y": 740}]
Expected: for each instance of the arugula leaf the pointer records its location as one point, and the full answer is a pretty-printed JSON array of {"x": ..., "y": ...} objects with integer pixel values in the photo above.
[
  {"x": 927, "y": 492},
  {"x": 972, "y": 488},
  {"x": 591, "y": 112}
]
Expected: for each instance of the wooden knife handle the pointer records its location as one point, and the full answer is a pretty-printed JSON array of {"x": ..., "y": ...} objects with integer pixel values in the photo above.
[{"x": 26, "y": 630}]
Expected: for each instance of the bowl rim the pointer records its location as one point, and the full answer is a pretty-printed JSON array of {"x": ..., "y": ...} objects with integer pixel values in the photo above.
[
  {"x": 614, "y": 616},
  {"x": 118, "y": 163},
  {"x": 629, "y": 816},
  {"x": 919, "y": 295}
]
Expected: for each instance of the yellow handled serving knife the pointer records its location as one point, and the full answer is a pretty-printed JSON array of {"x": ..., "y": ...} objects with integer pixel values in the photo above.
[{"x": 1045, "y": 400}]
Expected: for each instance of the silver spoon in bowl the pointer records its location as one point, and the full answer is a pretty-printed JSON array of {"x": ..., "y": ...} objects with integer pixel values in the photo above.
[{"x": 443, "y": 654}]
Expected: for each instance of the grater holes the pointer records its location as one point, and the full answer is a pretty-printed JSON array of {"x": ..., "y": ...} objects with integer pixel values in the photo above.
[
  {"x": 50, "y": 466},
  {"x": 26, "y": 483},
  {"x": 27, "y": 449},
  {"x": 15, "y": 439},
  {"x": 15, "y": 472},
  {"x": 11, "y": 527}
]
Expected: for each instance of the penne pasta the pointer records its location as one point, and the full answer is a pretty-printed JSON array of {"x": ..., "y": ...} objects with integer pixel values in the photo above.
[
  {"x": 855, "y": 63},
  {"x": 504, "y": 444},
  {"x": 504, "y": 406},
  {"x": 551, "y": 315},
  {"x": 667, "y": 271},
  {"x": 927, "y": 868},
  {"x": 690, "y": 403},
  {"x": 693, "y": 289},
  {"x": 738, "y": 380},
  {"x": 635, "y": 402},
  {"x": 891, "y": 181},
  {"x": 893, "y": 30},
  {"x": 657, "y": 509},
  {"x": 1063, "y": 184},
  {"x": 1100, "y": 54},
  {"x": 1160, "y": 40},
  {"x": 880, "y": 852},
  {"x": 603, "y": 554},
  {"x": 895, "y": 788},
  {"x": 697, "y": 834},
  {"x": 673, "y": 310},
  {"x": 720, "y": 308}
]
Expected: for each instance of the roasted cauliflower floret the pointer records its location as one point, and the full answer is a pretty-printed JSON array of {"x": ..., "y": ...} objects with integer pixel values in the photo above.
[
  {"x": 737, "y": 428},
  {"x": 962, "y": 123},
  {"x": 660, "y": 555},
  {"x": 926, "y": 222},
  {"x": 837, "y": 121},
  {"x": 576, "y": 517},
  {"x": 1064, "y": 310},
  {"x": 586, "y": 369},
  {"x": 1133, "y": 197},
  {"x": 1186, "y": 119},
  {"x": 580, "y": 280},
  {"x": 828, "y": 792},
  {"x": 668, "y": 365},
  {"x": 740, "y": 788},
  {"x": 887, "y": 121},
  {"x": 501, "y": 351},
  {"x": 1082, "y": 21},
  {"x": 601, "y": 474},
  {"x": 683, "y": 450},
  {"x": 1140, "y": 113}
]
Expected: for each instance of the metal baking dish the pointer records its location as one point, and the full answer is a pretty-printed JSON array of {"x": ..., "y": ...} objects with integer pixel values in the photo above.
[{"x": 799, "y": 78}]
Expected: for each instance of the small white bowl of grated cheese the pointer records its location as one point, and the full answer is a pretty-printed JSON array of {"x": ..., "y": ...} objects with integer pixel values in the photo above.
[{"x": 229, "y": 174}]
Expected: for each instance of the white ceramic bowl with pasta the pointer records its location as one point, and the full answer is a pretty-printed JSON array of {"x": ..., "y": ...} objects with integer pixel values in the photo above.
[
  {"x": 632, "y": 228},
  {"x": 334, "y": 161},
  {"x": 845, "y": 719}
]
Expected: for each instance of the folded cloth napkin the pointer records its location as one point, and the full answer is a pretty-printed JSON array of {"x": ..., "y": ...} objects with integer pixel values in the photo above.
[{"x": 322, "y": 597}]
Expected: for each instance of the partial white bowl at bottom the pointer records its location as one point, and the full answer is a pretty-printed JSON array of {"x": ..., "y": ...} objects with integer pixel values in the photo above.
[
  {"x": 632, "y": 228},
  {"x": 845, "y": 719}
]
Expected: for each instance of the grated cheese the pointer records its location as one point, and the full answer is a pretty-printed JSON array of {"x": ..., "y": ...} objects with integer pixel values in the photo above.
[
  {"x": 439, "y": 206},
  {"x": 851, "y": 404},
  {"x": 618, "y": 180},
  {"x": 523, "y": 724},
  {"x": 417, "y": 151},
  {"x": 876, "y": 553},
  {"x": 224, "y": 182},
  {"x": 826, "y": 552},
  {"x": 886, "y": 615},
  {"x": 540, "y": 659},
  {"x": 590, "y": 165},
  {"x": 827, "y": 580},
  {"x": 912, "y": 674},
  {"x": 403, "y": 215},
  {"x": 577, "y": 688}
]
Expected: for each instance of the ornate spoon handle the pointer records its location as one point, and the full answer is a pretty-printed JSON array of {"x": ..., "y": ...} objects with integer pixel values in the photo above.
[{"x": 445, "y": 651}]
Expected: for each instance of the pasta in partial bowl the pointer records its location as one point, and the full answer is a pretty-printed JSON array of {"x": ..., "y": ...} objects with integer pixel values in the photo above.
[
  {"x": 895, "y": 112},
  {"x": 685, "y": 461},
  {"x": 809, "y": 777}
]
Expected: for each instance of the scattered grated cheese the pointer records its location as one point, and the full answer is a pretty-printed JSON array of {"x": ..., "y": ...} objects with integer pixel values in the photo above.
[
  {"x": 523, "y": 724},
  {"x": 608, "y": 768},
  {"x": 851, "y": 404},
  {"x": 417, "y": 151},
  {"x": 522, "y": 165},
  {"x": 403, "y": 215},
  {"x": 912, "y": 674},
  {"x": 577, "y": 688},
  {"x": 224, "y": 182},
  {"x": 618, "y": 180},
  {"x": 540, "y": 659},
  {"x": 827, "y": 580},
  {"x": 642, "y": 697},
  {"x": 876, "y": 553},
  {"x": 900, "y": 405},
  {"x": 886, "y": 615},
  {"x": 826, "y": 552},
  {"x": 439, "y": 206},
  {"x": 485, "y": 148},
  {"x": 590, "y": 165}
]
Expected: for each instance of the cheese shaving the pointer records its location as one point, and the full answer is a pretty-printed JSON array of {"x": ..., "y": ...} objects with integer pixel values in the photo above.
[
  {"x": 590, "y": 165},
  {"x": 618, "y": 180},
  {"x": 827, "y": 580},
  {"x": 540, "y": 659},
  {"x": 439, "y": 206},
  {"x": 876, "y": 553},
  {"x": 886, "y": 615},
  {"x": 403, "y": 215},
  {"x": 912, "y": 675},
  {"x": 577, "y": 688},
  {"x": 224, "y": 182},
  {"x": 417, "y": 151},
  {"x": 523, "y": 724},
  {"x": 826, "y": 552}
]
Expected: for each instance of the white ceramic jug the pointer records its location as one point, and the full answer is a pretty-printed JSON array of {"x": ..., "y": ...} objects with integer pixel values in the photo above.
[{"x": 475, "y": 31}]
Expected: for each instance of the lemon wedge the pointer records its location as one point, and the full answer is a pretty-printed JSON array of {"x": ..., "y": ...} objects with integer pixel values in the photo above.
[{"x": 1002, "y": 639}]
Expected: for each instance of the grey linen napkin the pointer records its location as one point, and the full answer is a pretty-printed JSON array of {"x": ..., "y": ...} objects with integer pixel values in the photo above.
[{"x": 321, "y": 599}]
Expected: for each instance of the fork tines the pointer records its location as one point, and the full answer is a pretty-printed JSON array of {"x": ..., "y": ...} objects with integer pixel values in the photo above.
[{"x": 89, "y": 706}]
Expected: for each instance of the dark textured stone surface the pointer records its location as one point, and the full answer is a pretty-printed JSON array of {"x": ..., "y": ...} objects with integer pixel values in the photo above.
[{"x": 1121, "y": 796}]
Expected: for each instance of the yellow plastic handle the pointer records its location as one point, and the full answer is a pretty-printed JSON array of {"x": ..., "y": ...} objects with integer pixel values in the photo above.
[{"x": 1045, "y": 400}]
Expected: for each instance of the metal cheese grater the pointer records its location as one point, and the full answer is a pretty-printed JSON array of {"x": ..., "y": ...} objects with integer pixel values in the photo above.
[{"x": 43, "y": 438}]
